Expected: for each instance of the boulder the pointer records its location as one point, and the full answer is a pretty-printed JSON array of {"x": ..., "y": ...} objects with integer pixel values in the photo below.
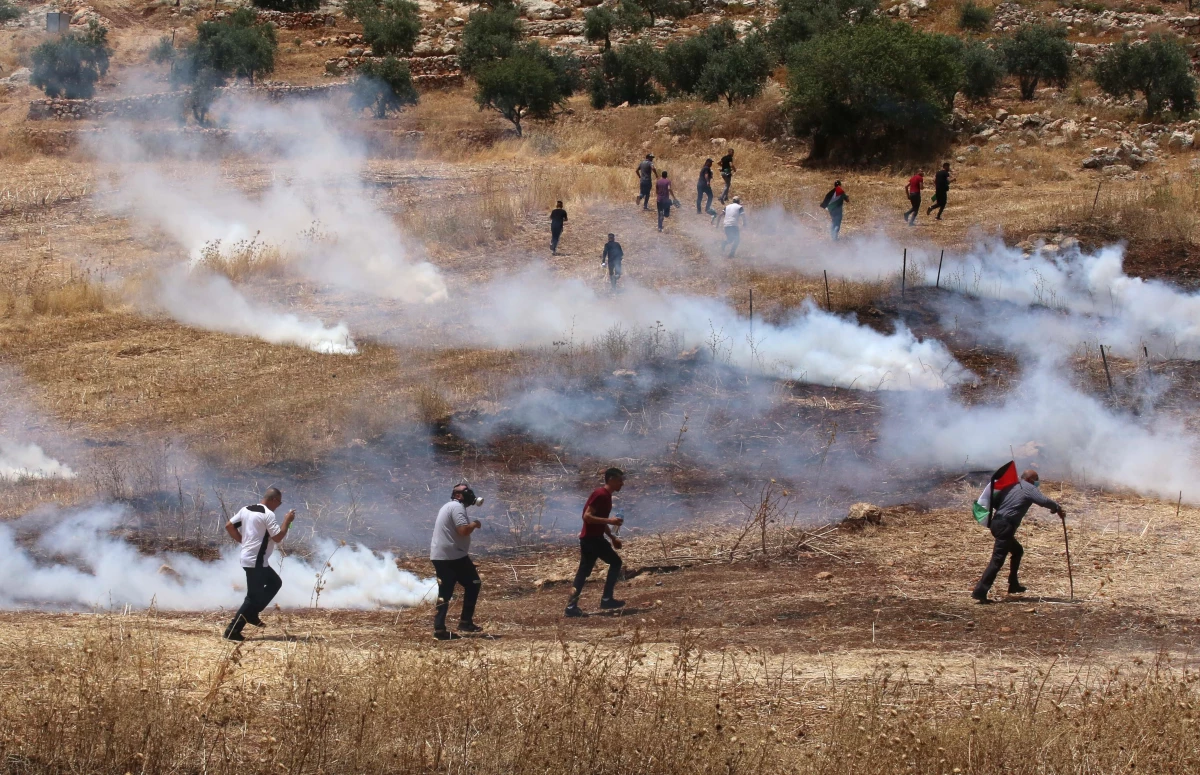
[
  {"x": 544, "y": 9},
  {"x": 1179, "y": 141},
  {"x": 664, "y": 123},
  {"x": 865, "y": 513}
]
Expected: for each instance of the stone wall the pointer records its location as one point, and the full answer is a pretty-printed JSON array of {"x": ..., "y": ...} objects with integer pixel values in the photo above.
[
  {"x": 432, "y": 72},
  {"x": 168, "y": 105},
  {"x": 286, "y": 20}
]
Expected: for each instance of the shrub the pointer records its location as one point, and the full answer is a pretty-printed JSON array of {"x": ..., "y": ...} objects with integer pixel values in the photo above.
[
  {"x": 9, "y": 12},
  {"x": 871, "y": 88},
  {"x": 983, "y": 70},
  {"x": 288, "y": 5},
  {"x": 736, "y": 73},
  {"x": 238, "y": 46},
  {"x": 684, "y": 61},
  {"x": 383, "y": 87},
  {"x": 489, "y": 35},
  {"x": 1160, "y": 69},
  {"x": 70, "y": 66},
  {"x": 974, "y": 17},
  {"x": 1036, "y": 53},
  {"x": 600, "y": 23},
  {"x": 391, "y": 28},
  {"x": 661, "y": 9},
  {"x": 530, "y": 83},
  {"x": 162, "y": 52},
  {"x": 802, "y": 20},
  {"x": 627, "y": 74}
]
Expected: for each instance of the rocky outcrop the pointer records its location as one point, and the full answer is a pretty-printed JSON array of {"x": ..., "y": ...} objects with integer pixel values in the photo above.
[
  {"x": 288, "y": 20},
  {"x": 167, "y": 105},
  {"x": 428, "y": 72}
]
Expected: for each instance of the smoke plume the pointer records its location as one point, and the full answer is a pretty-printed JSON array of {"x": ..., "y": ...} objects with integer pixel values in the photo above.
[
  {"x": 27, "y": 461},
  {"x": 94, "y": 569}
]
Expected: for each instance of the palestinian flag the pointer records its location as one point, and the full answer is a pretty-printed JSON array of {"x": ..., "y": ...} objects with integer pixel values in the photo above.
[{"x": 1005, "y": 477}]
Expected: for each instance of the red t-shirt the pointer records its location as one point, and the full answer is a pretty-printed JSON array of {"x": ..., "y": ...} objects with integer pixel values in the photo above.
[
  {"x": 600, "y": 502},
  {"x": 914, "y": 184}
]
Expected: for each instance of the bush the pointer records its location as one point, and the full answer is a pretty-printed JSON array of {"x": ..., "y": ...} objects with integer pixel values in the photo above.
[
  {"x": 162, "y": 52},
  {"x": 600, "y": 23},
  {"x": 974, "y": 17},
  {"x": 802, "y": 20},
  {"x": 684, "y": 61},
  {"x": 70, "y": 66},
  {"x": 383, "y": 87},
  {"x": 1036, "y": 53},
  {"x": 530, "y": 83},
  {"x": 627, "y": 74},
  {"x": 238, "y": 46},
  {"x": 1160, "y": 69},
  {"x": 9, "y": 12},
  {"x": 288, "y": 5},
  {"x": 736, "y": 73},
  {"x": 983, "y": 70},
  {"x": 391, "y": 28},
  {"x": 869, "y": 89},
  {"x": 489, "y": 36}
]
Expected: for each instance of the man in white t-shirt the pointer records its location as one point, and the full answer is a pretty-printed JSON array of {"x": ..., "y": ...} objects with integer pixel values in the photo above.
[
  {"x": 450, "y": 553},
  {"x": 735, "y": 217},
  {"x": 257, "y": 530}
]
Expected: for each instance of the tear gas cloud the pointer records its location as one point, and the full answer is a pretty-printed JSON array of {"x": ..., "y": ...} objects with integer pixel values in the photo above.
[
  {"x": 534, "y": 308},
  {"x": 101, "y": 570},
  {"x": 28, "y": 461},
  {"x": 212, "y": 302}
]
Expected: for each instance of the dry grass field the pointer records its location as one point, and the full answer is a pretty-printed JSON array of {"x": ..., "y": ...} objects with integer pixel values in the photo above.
[{"x": 762, "y": 632}]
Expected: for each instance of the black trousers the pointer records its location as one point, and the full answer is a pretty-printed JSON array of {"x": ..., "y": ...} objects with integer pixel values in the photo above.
[
  {"x": 262, "y": 584},
  {"x": 701, "y": 192},
  {"x": 728, "y": 182},
  {"x": 664, "y": 211},
  {"x": 450, "y": 572},
  {"x": 915, "y": 201},
  {"x": 614, "y": 273},
  {"x": 939, "y": 203},
  {"x": 644, "y": 196},
  {"x": 590, "y": 550},
  {"x": 1006, "y": 544},
  {"x": 555, "y": 234}
]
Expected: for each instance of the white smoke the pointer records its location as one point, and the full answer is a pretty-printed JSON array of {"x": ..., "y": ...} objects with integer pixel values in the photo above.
[
  {"x": 534, "y": 308},
  {"x": 212, "y": 302},
  {"x": 94, "y": 569},
  {"x": 28, "y": 461}
]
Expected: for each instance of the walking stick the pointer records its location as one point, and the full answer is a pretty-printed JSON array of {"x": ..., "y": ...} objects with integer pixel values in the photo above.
[{"x": 1067, "y": 544}]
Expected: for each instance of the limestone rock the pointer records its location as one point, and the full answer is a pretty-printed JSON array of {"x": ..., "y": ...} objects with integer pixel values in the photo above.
[{"x": 865, "y": 513}]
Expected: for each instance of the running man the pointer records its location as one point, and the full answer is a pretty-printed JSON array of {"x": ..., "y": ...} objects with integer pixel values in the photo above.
[
  {"x": 257, "y": 530},
  {"x": 832, "y": 204},
  {"x": 594, "y": 543},
  {"x": 913, "y": 190},
  {"x": 704, "y": 188},
  {"x": 665, "y": 196},
  {"x": 941, "y": 187},
  {"x": 646, "y": 174},
  {"x": 727, "y": 170},
  {"x": 611, "y": 257},
  {"x": 735, "y": 216},
  {"x": 558, "y": 216}
]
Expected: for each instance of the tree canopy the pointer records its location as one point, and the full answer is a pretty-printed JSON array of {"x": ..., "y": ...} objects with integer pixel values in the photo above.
[{"x": 1160, "y": 69}]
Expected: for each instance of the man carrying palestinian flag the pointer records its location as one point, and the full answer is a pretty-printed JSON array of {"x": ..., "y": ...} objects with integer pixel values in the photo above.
[{"x": 1001, "y": 508}]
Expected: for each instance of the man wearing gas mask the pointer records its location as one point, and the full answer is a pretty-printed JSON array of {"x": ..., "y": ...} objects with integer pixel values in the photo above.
[{"x": 450, "y": 552}]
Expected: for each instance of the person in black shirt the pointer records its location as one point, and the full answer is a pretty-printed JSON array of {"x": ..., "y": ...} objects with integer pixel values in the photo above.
[
  {"x": 558, "y": 216},
  {"x": 704, "y": 187},
  {"x": 941, "y": 186},
  {"x": 646, "y": 174},
  {"x": 727, "y": 170},
  {"x": 611, "y": 257}
]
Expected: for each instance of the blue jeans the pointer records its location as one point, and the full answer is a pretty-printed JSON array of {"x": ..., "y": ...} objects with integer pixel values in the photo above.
[
  {"x": 835, "y": 227},
  {"x": 701, "y": 192}
]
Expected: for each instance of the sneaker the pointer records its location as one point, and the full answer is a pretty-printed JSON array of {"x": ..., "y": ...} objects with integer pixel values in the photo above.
[
  {"x": 611, "y": 603},
  {"x": 574, "y": 612},
  {"x": 980, "y": 597},
  {"x": 255, "y": 621},
  {"x": 444, "y": 635},
  {"x": 1015, "y": 589},
  {"x": 469, "y": 627},
  {"x": 234, "y": 636}
]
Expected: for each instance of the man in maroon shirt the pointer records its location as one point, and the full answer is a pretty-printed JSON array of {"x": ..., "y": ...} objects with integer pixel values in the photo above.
[
  {"x": 913, "y": 189},
  {"x": 593, "y": 543}
]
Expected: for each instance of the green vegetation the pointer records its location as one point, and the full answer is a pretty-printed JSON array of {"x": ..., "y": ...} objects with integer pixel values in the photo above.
[
  {"x": 390, "y": 27},
  {"x": 529, "y": 83},
  {"x": 288, "y": 5},
  {"x": 9, "y": 12},
  {"x": 70, "y": 66},
  {"x": 627, "y": 74},
  {"x": 737, "y": 72},
  {"x": 383, "y": 87},
  {"x": 1038, "y": 53},
  {"x": 489, "y": 35},
  {"x": 237, "y": 46},
  {"x": 600, "y": 23},
  {"x": 684, "y": 61},
  {"x": 982, "y": 70},
  {"x": 162, "y": 52},
  {"x": 1160, "y": 69},
  {"x": 802, "y": 20},
  {"x": 974, "y": 17},
  {"x": 866, "y": 90}
]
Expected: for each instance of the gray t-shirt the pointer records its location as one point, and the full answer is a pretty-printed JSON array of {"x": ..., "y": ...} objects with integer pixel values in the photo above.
[{"x": 447, "y": 544}]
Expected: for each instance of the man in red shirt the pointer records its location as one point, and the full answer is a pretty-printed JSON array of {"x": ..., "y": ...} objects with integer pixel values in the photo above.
[
  {"x": 913, "y": 189},
  {"x": 593, "y": 543}
]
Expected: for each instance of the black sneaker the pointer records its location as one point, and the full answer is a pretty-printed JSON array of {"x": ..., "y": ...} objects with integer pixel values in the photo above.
[
  {"x": 612, "y": 603},
  {"x": 1015, "y": 589},
  {"x": 574, "y": 612},
  {"x": 255, "y": 621},
  {"x": 980, "y": 597},
  {"x": 234, "y": 636},
  {"x": 469, "y": 627},
  {"x": 444, "y": 635}
]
